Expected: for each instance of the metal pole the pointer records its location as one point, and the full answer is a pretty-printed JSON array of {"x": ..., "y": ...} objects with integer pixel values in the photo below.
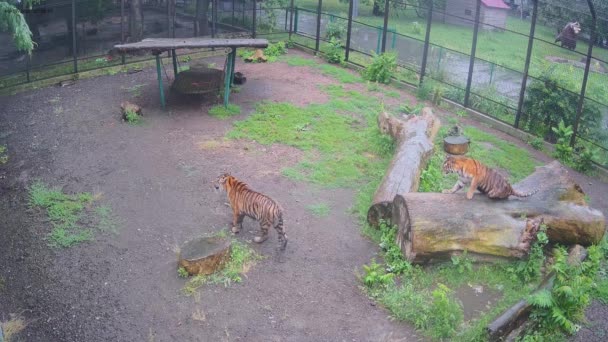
[
  {"x": 291, "y": 18},
  {"x": 213, "y": 17},
  {"x": 386, "y": 7},
  {"x": 232, "y": 21},
  {"x": 349, "y": 29},
  {"x": 160, "y": 81},
  {"x": 581, "y": 100},
  {"x": 255, "y": 8},
  {"x": 473, "y": 49},
  {"x": 427, "y": 39},
  {"x": 524, "y": 81},
  {"x": 27, "y": 66},
  {"x": 122, "y": 28},
  {"x": 174, "y": 58},
  {"x": 74, "y": 36},
  {"x": 319, "y": 4},
  {"x": 295, "y": 21}
]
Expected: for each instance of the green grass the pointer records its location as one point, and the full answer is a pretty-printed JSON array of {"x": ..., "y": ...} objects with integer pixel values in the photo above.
[
  {"x": 340, "y": 74},
  {"x": 319, "y": 209},
  {"x": 132, "y": 118},
  {"x": 222, "y": 112},
  {"x": 71, "y": 216},
  {"x": 242, "y": 258},
  {"x": 3, "y": 155},
  {"x": 340, "y": 139}
]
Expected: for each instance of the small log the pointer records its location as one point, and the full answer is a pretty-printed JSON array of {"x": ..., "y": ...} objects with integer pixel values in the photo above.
[
  {"x": 127, "y": 106},
  {"x": 515, "y": 316},
  {"x": 204, "y": 255},
  {"x": 414, "y": 138},
  {"x": 258, "y": 56},
  {"x": 434, "y": 226}
]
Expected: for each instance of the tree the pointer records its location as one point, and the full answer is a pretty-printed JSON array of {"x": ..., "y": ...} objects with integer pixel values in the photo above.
[
  {"x": 136, "y": 21},
  {"x": 201, "y": 24},
  {"x": 13, "y": 22}
]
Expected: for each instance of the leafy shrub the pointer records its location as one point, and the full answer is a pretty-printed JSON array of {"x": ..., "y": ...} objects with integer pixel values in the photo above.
[
  {"x": 182, "y": 273},
  {"x": 275, "y": 50},
  {"x": 425, "y": 90},
  {"x": 462, "y": 262},
  {"x": 563, "y": 150},
  {"x": 416, "y": 27},
  {"x": 446, "y": 312},
  {"x": 393, "y": 257},
  {"x": 336, "y": 29},
  {"x": 132, "y": 117},
  {"x": 547, "y": 102},
  {"x": 537, "y": 143},
  {"x": 382, "y": 68},
  {"x": 530, "y": 270},
  {"x": 376, "y": 278},
  {"x": 584, "y": 159},
  {"x": 564, "y": 305},
  {"x": 333, "y": 53}
]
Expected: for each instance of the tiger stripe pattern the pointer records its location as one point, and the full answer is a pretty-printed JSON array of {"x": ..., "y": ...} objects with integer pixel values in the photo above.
[
  {"x": 247, "y": 202},
  {"x": 480, "y": 177}
]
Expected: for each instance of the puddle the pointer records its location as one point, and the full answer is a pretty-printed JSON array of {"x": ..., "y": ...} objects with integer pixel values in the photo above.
[{"x": 476, "y": 299}]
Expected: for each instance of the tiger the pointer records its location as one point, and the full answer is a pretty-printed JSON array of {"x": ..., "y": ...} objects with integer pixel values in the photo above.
[
  {"x": 480, "y": 177},
  {"x": 247, "y": 202}
]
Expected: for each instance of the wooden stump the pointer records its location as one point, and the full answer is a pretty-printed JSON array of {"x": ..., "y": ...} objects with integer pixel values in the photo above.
[
  {"x": 433, "y": 226},
  {"x": 414, "y": 139},
  {"x": 258, "y": 56},
  {"x": 127, "y": 106},
  {"x": 204, "y": 255}
]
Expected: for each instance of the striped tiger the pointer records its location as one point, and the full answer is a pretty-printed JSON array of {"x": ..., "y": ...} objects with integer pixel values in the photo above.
[
  {"x": 246, "y": 202},
  {"x": 480, "y": 177}
]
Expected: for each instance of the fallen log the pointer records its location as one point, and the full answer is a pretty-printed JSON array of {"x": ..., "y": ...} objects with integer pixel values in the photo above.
[
  {"x": 515, "y": 316},
  {"x": 414, "y": 139},
  {"x": 435, "y": 226}
]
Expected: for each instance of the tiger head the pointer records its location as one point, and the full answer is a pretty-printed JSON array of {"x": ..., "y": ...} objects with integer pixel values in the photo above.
[
  {"x": 450, "y": 164},
  {"x": 221, "y": 181}
]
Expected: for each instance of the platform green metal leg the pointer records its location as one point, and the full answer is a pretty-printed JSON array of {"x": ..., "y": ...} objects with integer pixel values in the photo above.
[
  {"x": 228, "y": 75},
  {"x": 233, "y": 67},
  {"x": 174, "y": 62},
  {"x": 160, "y": 82}
]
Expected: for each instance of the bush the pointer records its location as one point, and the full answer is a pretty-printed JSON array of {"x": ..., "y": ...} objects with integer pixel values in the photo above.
[
  {"x": 563, "y": 150},
  {"x": 336, "y": 29},
  {"x": 547, "y": 102},
  {"x": 382, "y": 68},
  {"x": 334, "y": 53}
]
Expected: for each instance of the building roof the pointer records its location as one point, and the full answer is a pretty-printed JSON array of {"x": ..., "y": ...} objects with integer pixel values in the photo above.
[{"x": 495, "y": 4}]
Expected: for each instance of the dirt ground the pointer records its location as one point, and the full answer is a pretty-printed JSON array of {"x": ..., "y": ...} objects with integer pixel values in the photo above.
[{"x": 157, "y": 179}]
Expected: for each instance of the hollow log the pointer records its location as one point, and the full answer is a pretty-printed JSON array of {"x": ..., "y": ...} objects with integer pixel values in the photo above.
[
  {"x": 414, "y": 139},
  {"x": 204, "y": 255},
  {"x": 435, "y": 226},
  {"x": 516, "y": 315}
]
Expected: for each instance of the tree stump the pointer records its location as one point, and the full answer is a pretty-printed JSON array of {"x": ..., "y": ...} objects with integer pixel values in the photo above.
[
  {"x": 258, "y": 56},
  {"x": 127, "y": 106},
  {"x": 414, "y": 138},
  {"x": 456, "y": 144},
  {"x": 434, "y": 226},
  {"x": 204, "y": 255}
]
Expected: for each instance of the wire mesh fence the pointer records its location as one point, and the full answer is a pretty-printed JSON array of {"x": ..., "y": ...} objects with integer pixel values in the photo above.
[{"x": 480, "y": 52}]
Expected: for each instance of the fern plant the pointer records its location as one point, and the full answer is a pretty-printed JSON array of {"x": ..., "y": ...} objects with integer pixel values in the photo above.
[
  {"x": 333, "y": 53},
  {"x": 375, "y": 278},
  {"x": 563, "y": 306},
  {"x": 395, "y": 262}
]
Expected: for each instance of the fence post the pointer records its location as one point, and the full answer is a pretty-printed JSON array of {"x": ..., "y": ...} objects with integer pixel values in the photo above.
[
  {"x": 295, "y": 21},
  {"x": 291, "y": 18},
  {"x": 386, "y": 7},
  {"x": 122, "y": 28},
  {"x": 27, "y": 66},
  {"x": 319, "y": 4},
  {"x": 427, "y": 39},
  {"x": 213, "y": 17},
  {"x": 524, "y": 82},
  {"x": 492, "y": 66},
  {"x": 74, "y": 36},
  {"x": 473, "y": 49},
  {"x": 349, "y": 29},
  {"x": 255, "y": 10},
  {"x": 581, "y": 100},
  {"x": 379, "y": 40},
  {"x": 394, "y": 32}
]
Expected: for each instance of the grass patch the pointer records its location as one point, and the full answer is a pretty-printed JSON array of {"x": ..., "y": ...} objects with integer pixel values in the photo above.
[
  {"x": 12, "y": 328},
  {"x": 3, "y": 155},
  {"x": 222, "y": 112},
  {"x": 343, "y": 146},
  {"x": 132, "y": 118},
  {"x": 319, "y": 209},
  {"x": 72, "y": 216},
  {"x": 336, "y": 72},
  {"x": 242, "y": 258}
]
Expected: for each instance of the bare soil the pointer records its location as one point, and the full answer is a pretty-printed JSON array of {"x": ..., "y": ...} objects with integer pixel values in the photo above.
[{"x": 157, "y": 178}]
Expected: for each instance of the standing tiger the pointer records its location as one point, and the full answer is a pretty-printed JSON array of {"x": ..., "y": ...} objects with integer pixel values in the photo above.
[
  {"x": 246, "y": 202},
  {"x": 480, "y": 177}
]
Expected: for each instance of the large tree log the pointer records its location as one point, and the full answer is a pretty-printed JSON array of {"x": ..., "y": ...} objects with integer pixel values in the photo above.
[
  {"x": 204, "y": 255},
  {"x": 414, "y": 138},
  {"x": 433, "y": 225}
]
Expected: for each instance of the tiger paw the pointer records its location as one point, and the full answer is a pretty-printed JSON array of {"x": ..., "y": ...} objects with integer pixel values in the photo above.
[
  {"x": 260, "y": 239},
  {"x": 469, "y": 196},
  {"x": 235, "y": 230},
  {"x": 446, "y": 191}
]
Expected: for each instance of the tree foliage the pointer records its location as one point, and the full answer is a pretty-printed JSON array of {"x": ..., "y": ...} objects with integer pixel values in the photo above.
[{"x": 13, "y": 22}]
